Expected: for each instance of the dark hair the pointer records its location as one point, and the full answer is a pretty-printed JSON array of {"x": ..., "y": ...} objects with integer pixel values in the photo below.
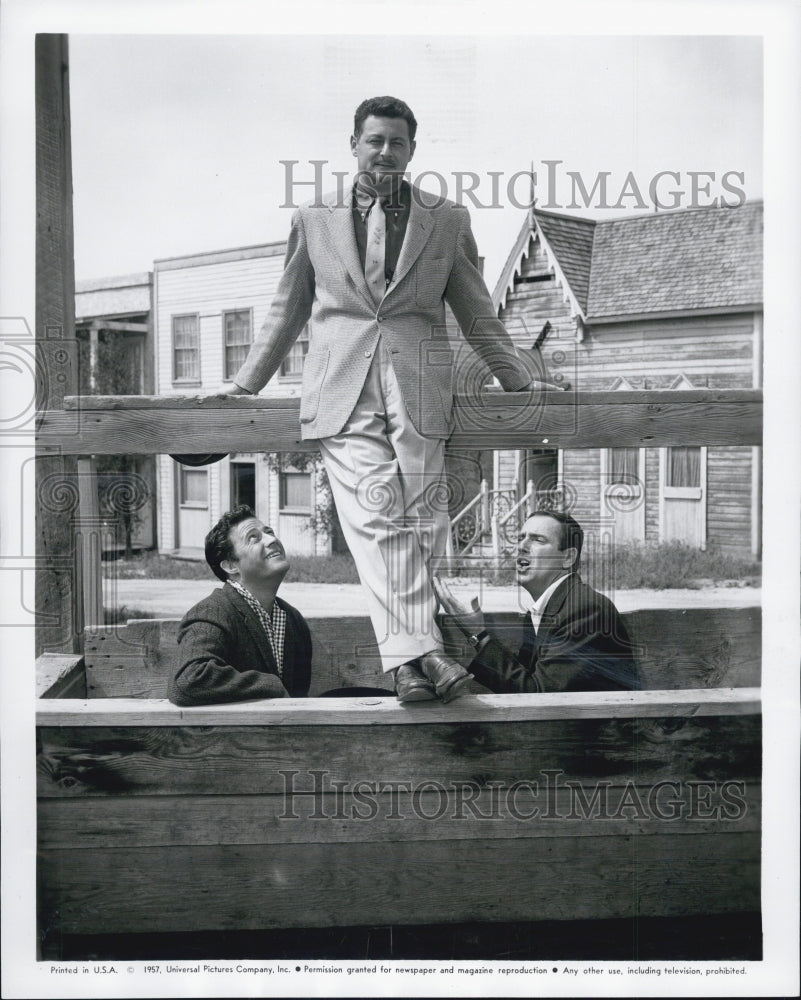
[
  {"x": 572, "y": 532},
  {"x": 219, "y": 546},
  {"x": 384, "y": 107}
]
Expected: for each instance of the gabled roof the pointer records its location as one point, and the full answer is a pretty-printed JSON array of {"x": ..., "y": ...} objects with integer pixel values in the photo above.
[
  {"x": 571, "y": 240},
  {"x": 687, "y": 260}
]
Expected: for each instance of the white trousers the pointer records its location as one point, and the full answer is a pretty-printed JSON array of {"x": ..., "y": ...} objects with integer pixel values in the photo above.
[{"x": 389, "y": 487}]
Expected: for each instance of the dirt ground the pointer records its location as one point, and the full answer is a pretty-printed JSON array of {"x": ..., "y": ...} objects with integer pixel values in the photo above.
[{"x": 172, "y": 598}]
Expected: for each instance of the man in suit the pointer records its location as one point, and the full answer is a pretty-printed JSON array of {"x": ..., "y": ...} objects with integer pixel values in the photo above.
[
  {"x": 573, "y": 639},
  {"x": 372, "y": 268},
  {"x": 242, "y": 641}
]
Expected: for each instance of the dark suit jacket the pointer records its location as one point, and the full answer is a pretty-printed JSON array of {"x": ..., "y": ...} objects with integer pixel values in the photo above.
[
  {"x": 225, "y": 655},
  {"x": 581, "y": 645}
]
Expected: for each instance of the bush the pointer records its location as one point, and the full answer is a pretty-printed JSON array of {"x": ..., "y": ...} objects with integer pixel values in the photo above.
[
  {"x": 152, "y": 566},
  {"x": 675, "y": 565},
  {"x": 338, "y": 568},
  {"x": 634, "y": 565}
]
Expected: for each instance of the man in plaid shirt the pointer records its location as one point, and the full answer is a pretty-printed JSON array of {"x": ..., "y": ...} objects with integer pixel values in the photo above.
[{"x": 242, "y": 641}]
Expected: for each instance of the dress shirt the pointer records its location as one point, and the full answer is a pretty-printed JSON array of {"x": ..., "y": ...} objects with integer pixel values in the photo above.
[
  {"x": 396, "y": 210},
  {"x": 274, "y": 626},
  {"x": 542, "y": 602}
]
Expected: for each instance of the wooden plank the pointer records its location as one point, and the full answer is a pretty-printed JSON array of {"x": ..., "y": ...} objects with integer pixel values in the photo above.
[
  {"x": 137, "y": 659},
  {"x": 692, "y": 648},
  {"x": 333, "y": 885},
  {"x": 134, "y": 660},
  {"x": 497, "y": 420},
  {"x": 233, "y": 760},
  {"x": 372, "y": 711},
  {"x": 698, "y": 647},
  {"x": 60, "y": 675},
  {"x": 597, "y": 810},
  {"x": 676, "y": 648}
]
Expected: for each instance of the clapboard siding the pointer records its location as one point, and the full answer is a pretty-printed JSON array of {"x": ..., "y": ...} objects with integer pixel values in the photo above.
[
  {"x": 715, "y": 351},
  {"x": 208, "y": 291},
  {"x": 581, "y": 477},
  {"x": 652, "y": 494},
  {"x": 209, "y": 285},
  {"x": 729, "y": 488}
]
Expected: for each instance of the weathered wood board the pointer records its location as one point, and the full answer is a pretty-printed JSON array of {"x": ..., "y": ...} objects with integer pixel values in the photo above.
[
  {"x": 487, "y": 809},
  {"x": 148, "y": 425},
  {"x": 693, "y": 648},
  {"x": 329, "y": 885}
]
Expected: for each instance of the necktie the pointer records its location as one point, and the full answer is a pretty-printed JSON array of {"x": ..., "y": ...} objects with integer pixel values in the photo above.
[{"x": 374, "y": 261}]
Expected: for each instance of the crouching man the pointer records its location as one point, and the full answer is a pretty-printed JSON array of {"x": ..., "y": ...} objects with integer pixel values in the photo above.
[
  {"x": 573, "y": 639},
  {"x": 242, "y": 641}
]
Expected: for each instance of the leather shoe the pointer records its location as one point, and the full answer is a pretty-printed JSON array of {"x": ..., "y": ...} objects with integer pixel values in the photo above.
[
  {"x": 448, "y": 677},
  {"x": 411, "y": 685}
]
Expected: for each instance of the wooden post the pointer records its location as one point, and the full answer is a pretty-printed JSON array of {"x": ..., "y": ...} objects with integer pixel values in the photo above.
[
  {"x": 89, "y": 546},
  {"x": 56, "y": 345}
]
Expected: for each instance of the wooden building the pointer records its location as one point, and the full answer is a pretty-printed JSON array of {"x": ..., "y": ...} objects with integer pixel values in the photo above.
[
  {"x": 208, "y": 306},
  {"x": 671, "y": 300},
  {"x": 114, "y": 331}
]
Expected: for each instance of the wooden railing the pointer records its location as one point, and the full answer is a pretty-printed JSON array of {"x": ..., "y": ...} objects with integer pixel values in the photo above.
[
  {"x": 152, "y": 425},
  {"x": 657, "y": 810}
]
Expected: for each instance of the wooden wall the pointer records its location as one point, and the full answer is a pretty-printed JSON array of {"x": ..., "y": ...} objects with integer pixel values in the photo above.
[
  {"x": 279, "y": 815},
  {"x": 209, "y": 284},
  {"x": 692, "y": 648},
  {"x": 710, "y": 351}
]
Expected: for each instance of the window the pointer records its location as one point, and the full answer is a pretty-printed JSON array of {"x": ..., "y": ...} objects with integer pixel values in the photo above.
[
  {"x": 194, "y": 486},
  {"x": 237, "y": 338},
  {"x": 292, "y": 365},
  {"x": 186, "y": 348},
  {"x": 623, "y": 465},
  {"x": 295, "y": 491},
  {"x": 243, "y": 484},
  {"x": 683, "y": 467}
]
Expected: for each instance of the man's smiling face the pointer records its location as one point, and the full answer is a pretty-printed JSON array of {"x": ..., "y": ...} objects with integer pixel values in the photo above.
[
  {"x": 540, "y": 560},
  {"x": 259, "y": 557},
  {"x": 382, "y": 149}
]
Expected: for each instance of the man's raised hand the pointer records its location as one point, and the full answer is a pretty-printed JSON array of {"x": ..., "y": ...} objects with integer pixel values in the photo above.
[{"x": 470, "y": 620}]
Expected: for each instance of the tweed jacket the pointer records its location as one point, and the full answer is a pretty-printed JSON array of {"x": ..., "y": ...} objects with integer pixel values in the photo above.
[
  {"x": 224, "y": 654},
  {"x": 581, "y": 645},
  {"x": 323, "y": 281}
]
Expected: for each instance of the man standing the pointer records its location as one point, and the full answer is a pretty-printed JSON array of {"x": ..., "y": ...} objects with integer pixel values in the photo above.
[
  {"x": 242, "y": 641},
  {"x": 372, "y": 270},
  {"x": 573, "y": 639}
]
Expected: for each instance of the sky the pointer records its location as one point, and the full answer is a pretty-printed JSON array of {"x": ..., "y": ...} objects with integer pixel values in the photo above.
[{"x": 177, "y": 140}]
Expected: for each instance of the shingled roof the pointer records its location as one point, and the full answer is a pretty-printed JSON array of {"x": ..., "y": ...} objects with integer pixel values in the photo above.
[
  {"x": 682, "y": 261},
  {"x": 571, "y": 240},
  {"x": 122, "y": 295}
]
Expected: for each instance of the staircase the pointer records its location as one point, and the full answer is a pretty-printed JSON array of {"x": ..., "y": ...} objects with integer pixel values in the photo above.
[{"x": 486, "y": 528}]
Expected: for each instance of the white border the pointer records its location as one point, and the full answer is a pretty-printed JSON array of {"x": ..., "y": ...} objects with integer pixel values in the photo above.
[{"x": 780, "y": 24}]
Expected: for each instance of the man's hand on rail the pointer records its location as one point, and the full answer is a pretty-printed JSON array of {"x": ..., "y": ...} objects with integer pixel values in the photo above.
[{"x": 538, "y": 384}]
